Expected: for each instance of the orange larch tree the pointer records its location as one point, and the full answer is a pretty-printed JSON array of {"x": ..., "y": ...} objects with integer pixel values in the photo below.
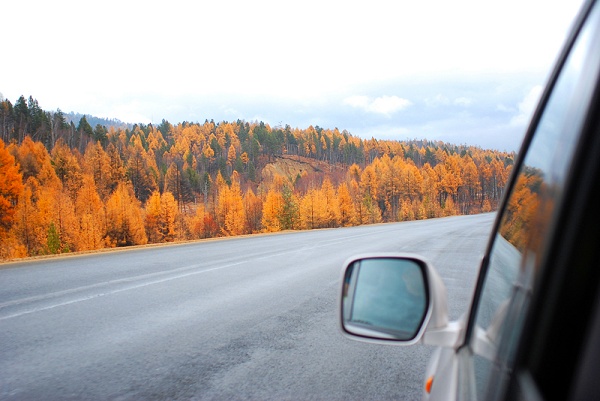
[
  {"x": 152, "y": 217},
  {"x": 26, "y": 228},
  {"x": 90, "y": 213},
  {"x": 97, "y": 163},
  {"x": 57, "y": 211},
  {"x": 311, "y": 211},
  {"x": 272, "y": 208},
  {"x": 231, "y": 209},
  {"x": 330, "y": 204},
  {"x": 161, "y": 218},
  {"x": 124, "y": 223},
  {"x": 253, "y": 211},
  {"x": 470, "y": 192},
  {"x": 347, "y": 213},
  {"x": 430, "y": 191},
  {"x": 67, "y": 168},
  {"x": 195, "y": 223},
  {"x": 11, "y": 190},
  {"x": 169, "y": 214},
  {"x": 141, "y": 177},
  {"x": 11, "y": 187}
]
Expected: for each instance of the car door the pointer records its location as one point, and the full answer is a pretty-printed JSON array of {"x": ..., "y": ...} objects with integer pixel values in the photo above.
[{"x": 519, "y": 260}]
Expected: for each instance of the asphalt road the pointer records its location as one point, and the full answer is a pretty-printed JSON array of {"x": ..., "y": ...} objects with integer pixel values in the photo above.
[{"x": 244, "y": 318}]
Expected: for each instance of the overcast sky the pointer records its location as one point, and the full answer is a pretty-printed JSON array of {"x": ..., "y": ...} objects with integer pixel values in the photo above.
[{"x": 461, "y": 71}]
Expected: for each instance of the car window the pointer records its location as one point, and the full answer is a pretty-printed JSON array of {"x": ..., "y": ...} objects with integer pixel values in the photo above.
[{"x": 528, "y": 215}]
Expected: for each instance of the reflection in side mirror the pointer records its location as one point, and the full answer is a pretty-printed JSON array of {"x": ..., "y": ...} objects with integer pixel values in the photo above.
[{"x": 384, "y": 298}]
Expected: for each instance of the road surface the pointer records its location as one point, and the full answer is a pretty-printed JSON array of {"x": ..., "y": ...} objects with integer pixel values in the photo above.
[{"x": 242, "y": 318}]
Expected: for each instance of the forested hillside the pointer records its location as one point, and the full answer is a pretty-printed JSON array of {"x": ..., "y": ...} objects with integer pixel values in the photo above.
[{"x": 68, "y": 187}]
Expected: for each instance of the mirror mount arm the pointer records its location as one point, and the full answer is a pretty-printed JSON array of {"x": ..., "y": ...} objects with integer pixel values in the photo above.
[
  {"x": 449, "y": 336},
  {"x": 440, "y": 332}
]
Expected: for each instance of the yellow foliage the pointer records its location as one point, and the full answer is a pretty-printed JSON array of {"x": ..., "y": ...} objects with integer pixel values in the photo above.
[
  {"x": 90, "y": 212},
  {"x": 231, "y": 212},
  {"x": 347, "y": 213},
  {"x": 271, "y": 210},
  {"x": 124, "y": 221},
  {"x": 66, "y": 201},
  {"x": 253, "y": 206}
]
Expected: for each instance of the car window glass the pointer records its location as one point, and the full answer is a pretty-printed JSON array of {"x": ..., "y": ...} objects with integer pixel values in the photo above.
[{"x": 528, "y": 214}]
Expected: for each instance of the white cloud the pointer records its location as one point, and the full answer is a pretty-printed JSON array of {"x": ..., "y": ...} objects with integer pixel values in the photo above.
[
  {"x": 505, "y": 109},
  {"x": 527, "y": 106},
  {"x": 463, "y": 101},
  {"x": 386, "y": 105},
  {"x": 231, "y": 111},
  {"x": 441, "y": 100},
  {"x": 437, "y": 100}
]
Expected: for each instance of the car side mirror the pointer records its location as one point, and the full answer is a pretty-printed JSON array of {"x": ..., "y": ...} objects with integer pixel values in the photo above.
[{"x": 391, "y": 298}]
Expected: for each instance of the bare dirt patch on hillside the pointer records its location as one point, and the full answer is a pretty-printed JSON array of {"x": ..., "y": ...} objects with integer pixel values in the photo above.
[{"x": 292, "y": 167}]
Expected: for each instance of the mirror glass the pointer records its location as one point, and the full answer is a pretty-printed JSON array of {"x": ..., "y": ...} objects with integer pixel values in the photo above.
[{"x": 384, "y": 298}]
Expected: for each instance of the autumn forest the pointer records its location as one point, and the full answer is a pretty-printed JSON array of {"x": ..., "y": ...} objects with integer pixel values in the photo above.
[{"x": 67, "y": 187}]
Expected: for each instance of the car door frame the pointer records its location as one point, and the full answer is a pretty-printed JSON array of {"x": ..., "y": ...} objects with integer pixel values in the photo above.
[{"x": 464, "y": 353}]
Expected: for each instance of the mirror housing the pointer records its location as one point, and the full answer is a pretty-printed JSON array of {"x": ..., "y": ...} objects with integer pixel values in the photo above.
[{"x": 394, "y": 299}]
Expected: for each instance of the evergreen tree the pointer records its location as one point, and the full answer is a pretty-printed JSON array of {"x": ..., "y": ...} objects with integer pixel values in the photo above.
[{"x": 288, "y": 215}]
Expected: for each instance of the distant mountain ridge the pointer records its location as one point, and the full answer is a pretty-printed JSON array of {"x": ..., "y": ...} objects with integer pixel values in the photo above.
[{"x": 93, "y": 121}]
